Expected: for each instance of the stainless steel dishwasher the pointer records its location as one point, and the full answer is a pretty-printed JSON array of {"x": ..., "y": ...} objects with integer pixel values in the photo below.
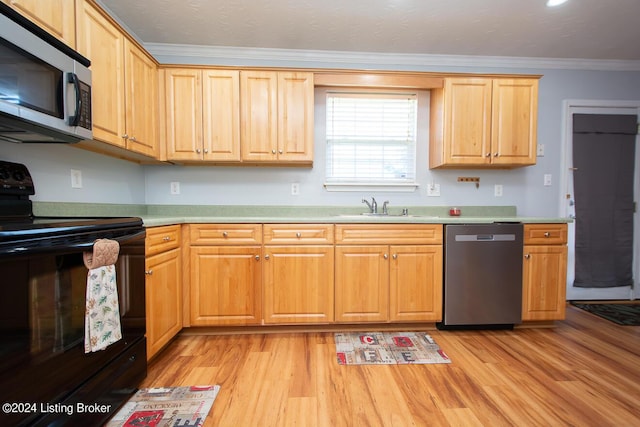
[{"x": 482, "y": 276}]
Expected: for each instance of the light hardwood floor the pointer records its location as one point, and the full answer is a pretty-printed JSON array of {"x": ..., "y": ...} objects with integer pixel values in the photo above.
[{"x": 583, "y": 372}]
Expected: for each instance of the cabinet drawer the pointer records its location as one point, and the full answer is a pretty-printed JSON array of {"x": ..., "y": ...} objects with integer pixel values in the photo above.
[
  {"x": 417, "y": 234},
  {"x": 161, "y": 239},
  {"x": 302, "y": 234},
  {"x": 545, "y": 234},
  {"x": 225, "y": 234}
]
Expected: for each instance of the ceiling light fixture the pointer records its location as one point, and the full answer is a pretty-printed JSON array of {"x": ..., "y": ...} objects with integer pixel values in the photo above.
[{"x": 553, "y": 3}]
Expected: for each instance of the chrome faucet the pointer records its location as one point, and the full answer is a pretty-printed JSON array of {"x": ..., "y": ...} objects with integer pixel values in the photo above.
[
  {"x": 373, "y": 206},
  {"x": 384, "y": 208}
]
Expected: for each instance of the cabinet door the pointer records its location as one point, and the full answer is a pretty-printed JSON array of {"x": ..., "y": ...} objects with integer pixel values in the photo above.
[
  {"x": 183, "y": 101},
  {"x": 362, "y": 284},
  {"x": 415, "y": 285},
  {"x": 55, "y": 16},
  {"x": 101, "y": 42},
  {"x": 141, "y": 101},
  {"x": 221, "y": 115},
  {"x": 544, "y": 281},
  {"x": 298, "y": 284},
  {"x": 467, "y": 121},
  {"x": 514, "y": 121},
  {"x": 295, "y": 117},
  {"x": 163, "y": 299},
  {"x": 225, "y": 285},
  {"x": 259, "y": 116}
]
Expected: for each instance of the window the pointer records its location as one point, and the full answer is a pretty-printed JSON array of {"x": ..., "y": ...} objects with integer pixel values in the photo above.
[{"x": 371, "y": 138}]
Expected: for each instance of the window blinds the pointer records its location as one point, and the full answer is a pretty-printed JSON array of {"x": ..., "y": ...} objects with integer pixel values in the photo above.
[{"x": 371, "y": 137}]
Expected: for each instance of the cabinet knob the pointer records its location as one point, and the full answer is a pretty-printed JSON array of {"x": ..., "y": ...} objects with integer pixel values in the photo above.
[
  {"x": 266, "y": 256},
  {"x": 148, "y": 272},
  {"x": 527, "y": 256},
  {"x": 385, "y": 256},
  {"x": 496, "y": 154},
  {"x": 298, "y": 235},
  {"x": 133, "y": 138},
  {"x": 395, "y": 256},
  {"x": 273, "y": 151},
  {"x": 166, "y": 238},
  {"x": 125, "y": 136},
  {"x": 488, "y": 155},
  {"x": 280, "y": 151},
  {"x": 547, "y": 234},
  {"x": 206, "y": 151},
  {"x": 198, "y": 150},
  {"x": 257, "y": 257}
]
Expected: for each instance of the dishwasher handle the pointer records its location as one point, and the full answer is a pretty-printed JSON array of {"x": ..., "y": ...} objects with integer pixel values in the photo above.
[{"x": 485, "y": 237}]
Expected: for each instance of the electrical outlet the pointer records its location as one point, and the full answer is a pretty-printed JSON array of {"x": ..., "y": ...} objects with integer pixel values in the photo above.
[
  {"x": 76, "y": 178},
  {"x": 547, "y": 179},
  {"x": 540, "y": 150},
  {"x": 433, "y": 190},
  {"x": 295, "y": 189},
  {"x": 175, "y": 187},
  {"x": 497, "y": 190}
]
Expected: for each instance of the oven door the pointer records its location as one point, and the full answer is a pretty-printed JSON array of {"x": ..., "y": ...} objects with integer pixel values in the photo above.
[{"x": 42, "y": 312}]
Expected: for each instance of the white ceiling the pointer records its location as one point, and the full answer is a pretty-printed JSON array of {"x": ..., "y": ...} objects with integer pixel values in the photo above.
[{"x": 581, "y": 29}]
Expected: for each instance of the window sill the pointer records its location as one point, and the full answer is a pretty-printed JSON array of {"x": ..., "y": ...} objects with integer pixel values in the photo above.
[{"x": 381, "y": 187}]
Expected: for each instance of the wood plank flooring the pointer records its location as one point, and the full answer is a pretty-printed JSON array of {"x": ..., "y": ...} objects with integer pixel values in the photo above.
[{"x": 583, "y": 372}]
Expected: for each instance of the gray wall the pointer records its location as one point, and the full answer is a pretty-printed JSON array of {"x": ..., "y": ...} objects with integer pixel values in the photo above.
[{"x": 114, "y": 181}]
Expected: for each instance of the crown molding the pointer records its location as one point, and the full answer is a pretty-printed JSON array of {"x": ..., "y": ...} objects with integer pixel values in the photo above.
[{"x": 241, "y": 56}]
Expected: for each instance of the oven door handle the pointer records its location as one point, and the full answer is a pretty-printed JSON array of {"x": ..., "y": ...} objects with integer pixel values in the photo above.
[{"x": 120, "y": 239}]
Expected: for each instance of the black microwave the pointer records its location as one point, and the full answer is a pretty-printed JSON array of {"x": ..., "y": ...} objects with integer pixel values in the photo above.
[{"x": 45, "y": 86}]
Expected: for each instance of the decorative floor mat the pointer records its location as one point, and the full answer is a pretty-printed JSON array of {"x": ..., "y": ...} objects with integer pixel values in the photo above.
[
  {"x": 167, "y": 406},
  {"x": 622, "y": 314},
  {"x": 388, "y": 348}
]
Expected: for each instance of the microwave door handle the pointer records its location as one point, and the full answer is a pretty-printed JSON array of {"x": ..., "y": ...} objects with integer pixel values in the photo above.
[{"x": 74, "y": 119}]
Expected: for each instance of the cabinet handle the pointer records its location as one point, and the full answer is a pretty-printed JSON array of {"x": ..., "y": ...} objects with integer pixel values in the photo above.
[
  {"x": 385, "y": 256},
  {"x": 395, "y": 256},
  {"x": 133, "y": 138},
  {"x": 273, "y": 151},
  {"x": 125, "y": 136},
  {"x": 298, "y": 235},
  {"x": 148, "y": 272},
  {"x": 206, "y": 151},
  {"x": 257, "y": 257},
  {"x": 266, "y": 256},
  {"x": 225, "y": 234},
  {"x": 488, "y": 155},
  {"x": 166, "y": 238},
  {"x": 496, "y": 155},
  {"x": 547, "y": 234},
  {"x": 198, "y": 150},
  {"x": 280, "y": 151},
  {"x": 527, "y": 256}
]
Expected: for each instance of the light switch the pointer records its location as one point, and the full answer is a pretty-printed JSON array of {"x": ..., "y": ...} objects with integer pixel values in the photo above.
[
  {"x": 497, "y": 190},
  {"x": 540, "y": 150},
  {"x": 175, "y": 187},
  {"x": 547, "y": 179}
]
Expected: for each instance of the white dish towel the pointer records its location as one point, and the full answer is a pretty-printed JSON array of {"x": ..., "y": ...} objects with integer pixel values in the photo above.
[{"x": 102, "y": 317}]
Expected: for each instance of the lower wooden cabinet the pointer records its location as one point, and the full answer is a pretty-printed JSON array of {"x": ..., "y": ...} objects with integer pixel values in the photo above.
[
  {"x": 298, "y": 284},
  {"x": 381, "y": 282},
  {"x": 163, "y": 286},
  {"x": 226, "y": 285},
  {"x": 544, "y": 272}
]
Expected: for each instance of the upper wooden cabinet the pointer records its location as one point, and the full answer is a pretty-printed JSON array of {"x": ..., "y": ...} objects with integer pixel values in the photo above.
[
  {"x": 55, "y": 16},
  {"x": 484, "y": 122},
  {"x": 125, "y": 86},
  {"x": 277, "y": 117},
  {"x": 202, "y": 114}
]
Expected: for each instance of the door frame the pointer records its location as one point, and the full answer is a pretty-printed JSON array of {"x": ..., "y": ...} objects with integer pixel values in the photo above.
[{"x": 570, "y": 107}]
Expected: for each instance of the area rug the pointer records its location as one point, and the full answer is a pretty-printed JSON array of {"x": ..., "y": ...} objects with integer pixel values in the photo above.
[
  {"x": 167, "y": 406},
  {"x": 622, "y": 314},
  {"x": 388, "y": 348}
]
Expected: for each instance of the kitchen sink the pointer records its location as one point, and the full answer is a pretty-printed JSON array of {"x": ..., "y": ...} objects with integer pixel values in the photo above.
[{"x": 384, "y": 216}]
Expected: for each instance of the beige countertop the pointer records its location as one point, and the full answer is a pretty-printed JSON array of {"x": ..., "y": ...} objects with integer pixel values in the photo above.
[{"x": 159, "y": 215}]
